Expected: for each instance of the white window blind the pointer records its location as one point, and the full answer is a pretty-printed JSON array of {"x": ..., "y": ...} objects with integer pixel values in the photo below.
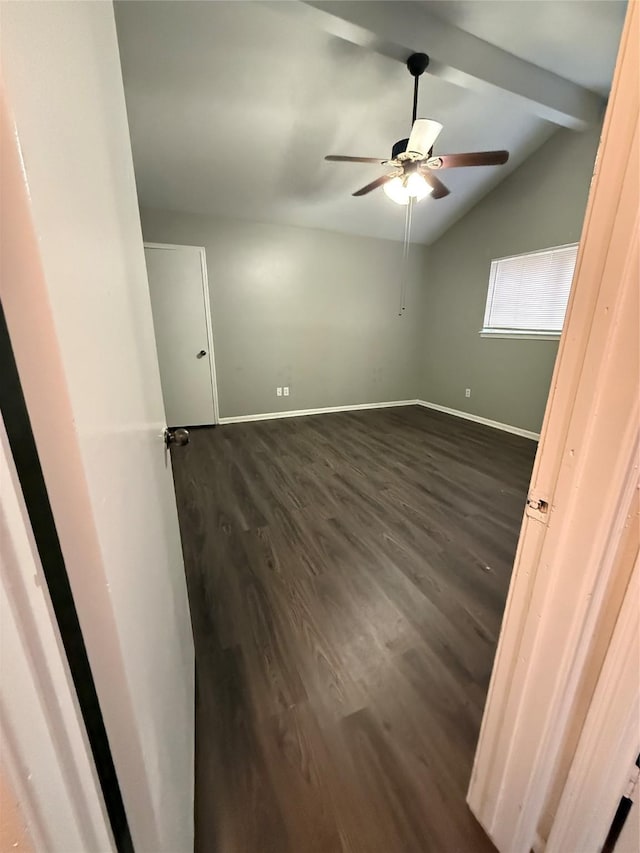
[{"x": 528, "y": 294}]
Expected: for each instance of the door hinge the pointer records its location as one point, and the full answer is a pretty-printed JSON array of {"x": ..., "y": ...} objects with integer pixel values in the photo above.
[
  {"x": 632, "y": 784},
  {"x": 537, "y": 503},
  {"x": 537, "y": 507}
]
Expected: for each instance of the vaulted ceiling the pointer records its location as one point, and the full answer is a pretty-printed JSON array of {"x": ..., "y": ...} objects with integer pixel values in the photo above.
[{"x": 233, "y": 105}]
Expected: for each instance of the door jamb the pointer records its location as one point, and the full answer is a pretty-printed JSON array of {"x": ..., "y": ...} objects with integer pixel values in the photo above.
[
  {"x": 609, "y": 742},
  {"x": 573, "y": 563},
  {"x": 207, "y": 314}
]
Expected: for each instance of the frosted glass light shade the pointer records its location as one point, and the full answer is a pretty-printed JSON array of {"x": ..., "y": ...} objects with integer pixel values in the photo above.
[
  {"x": 417, "y": 186},
  {"x": 397, "y": 191},
  {"x": 401, "y": 189}
]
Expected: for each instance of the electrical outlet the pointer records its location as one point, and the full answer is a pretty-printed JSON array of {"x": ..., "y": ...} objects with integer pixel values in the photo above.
[
  {"x": 467, "y": 392},
  {"x": 279, "y": 391},
  {"x": 285, "y": 390}
]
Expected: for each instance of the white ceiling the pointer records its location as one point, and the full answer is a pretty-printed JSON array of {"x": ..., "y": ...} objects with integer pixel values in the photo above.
[
  {"x": 233, "y": 105},
  {"x": 576, "y": 40}
]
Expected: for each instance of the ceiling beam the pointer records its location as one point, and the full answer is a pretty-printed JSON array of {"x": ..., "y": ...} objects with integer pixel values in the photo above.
[{"x": 400, "y": 28}]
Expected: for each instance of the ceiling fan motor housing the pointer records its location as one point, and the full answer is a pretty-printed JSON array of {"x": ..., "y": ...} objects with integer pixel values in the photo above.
[{"x": 399, "y": 148}]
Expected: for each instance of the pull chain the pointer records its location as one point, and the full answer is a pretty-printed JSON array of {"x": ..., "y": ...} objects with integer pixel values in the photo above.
[{"x": 404, "y": 280}]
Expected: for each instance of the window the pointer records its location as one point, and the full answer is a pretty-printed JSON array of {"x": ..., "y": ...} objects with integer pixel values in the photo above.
[{"x": 528, "y": 294}]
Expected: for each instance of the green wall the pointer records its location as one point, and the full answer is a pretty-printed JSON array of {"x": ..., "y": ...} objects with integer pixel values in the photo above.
[
  {"x": 539, "y": 205},
  {"x": 311, "y": 309},
  {"x": 317, "y": 310}
]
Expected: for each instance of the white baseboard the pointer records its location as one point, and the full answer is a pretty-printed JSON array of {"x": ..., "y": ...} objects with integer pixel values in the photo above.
[
  {"x": 300, "y": 413},
  {"x": 535, "y": 436}
]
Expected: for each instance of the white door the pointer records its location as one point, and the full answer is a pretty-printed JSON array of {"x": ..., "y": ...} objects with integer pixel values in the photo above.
[
  {"x": 181, "y": 319},
  {"x": 76, "y": 299}
]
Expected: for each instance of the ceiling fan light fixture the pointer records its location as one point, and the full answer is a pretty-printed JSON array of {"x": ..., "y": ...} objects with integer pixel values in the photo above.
[
  {"x": 401, "y": 190},
  {"x": 412, "y": 158},
  {"x": 417, "y": 186},
  {"x": 424, "y": 133},
  {"x": 396, "y": 191}
]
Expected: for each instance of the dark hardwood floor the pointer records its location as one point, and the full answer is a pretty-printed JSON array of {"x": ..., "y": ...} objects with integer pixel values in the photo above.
[{"x": 347, "y": 575}]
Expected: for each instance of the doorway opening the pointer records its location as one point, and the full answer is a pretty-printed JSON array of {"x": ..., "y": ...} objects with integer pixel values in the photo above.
[
  {"x": 347, "y": 569},
  {"x": 348, "y": 572}
]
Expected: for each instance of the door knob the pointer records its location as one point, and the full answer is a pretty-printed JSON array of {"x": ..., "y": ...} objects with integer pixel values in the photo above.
[
  {"x": 178, "y": 437},
  {"x": 202, "y": 353}
]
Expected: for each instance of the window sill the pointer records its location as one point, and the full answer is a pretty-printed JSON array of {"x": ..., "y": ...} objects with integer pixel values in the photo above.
[{"x": 516, "y": 334}]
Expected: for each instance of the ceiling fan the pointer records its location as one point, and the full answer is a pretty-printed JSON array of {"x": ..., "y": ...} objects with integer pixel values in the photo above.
[
  {"x": 412, "y": 159},
  {"x": 413, "y": 163}
]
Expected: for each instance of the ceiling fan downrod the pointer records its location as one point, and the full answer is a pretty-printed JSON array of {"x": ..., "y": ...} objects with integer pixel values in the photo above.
[{"x": 417, "y": 65}]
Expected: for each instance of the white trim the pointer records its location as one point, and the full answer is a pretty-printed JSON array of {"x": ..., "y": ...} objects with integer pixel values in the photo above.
[
  {"x": 609, "y": 742},
  {"x": 467, "y": 416},
  {"x": 301, "y": 413},
  {"x": 536, "y": 252},
  {"x": 46, "y": 754},
  {"x": 530, "y": 335},
  {"x": 207, "y": 315}
]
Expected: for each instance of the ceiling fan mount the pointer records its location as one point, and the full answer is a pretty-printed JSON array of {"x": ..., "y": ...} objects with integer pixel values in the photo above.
[
  {"x": 412, "y": 158},
  {"x": 417, "y": 64}
]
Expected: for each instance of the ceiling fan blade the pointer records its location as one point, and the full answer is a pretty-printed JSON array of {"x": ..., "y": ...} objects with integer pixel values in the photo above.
[
  {"x": 474, "y": 158},
  {"x": 438, "y": 189},
  {"x": 374, "y": 185},
  {"x": 338, "y": 158},
  {"x": 424, "y": 133}
]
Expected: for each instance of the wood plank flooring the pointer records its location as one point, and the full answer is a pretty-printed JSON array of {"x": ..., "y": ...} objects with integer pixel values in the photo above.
[{"x": 347, "y": 575}]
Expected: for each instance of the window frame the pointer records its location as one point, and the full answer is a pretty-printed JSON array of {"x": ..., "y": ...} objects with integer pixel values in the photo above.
[{"x": 520, "y": 334}]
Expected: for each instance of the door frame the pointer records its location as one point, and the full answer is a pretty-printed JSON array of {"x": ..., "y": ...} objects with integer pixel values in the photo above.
[
  {"x": 55, "y": 750},
  {"x": 207, "y": 313},
  {"x": 610, "y": 740},
  {"x": 579, "y": 538}
]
